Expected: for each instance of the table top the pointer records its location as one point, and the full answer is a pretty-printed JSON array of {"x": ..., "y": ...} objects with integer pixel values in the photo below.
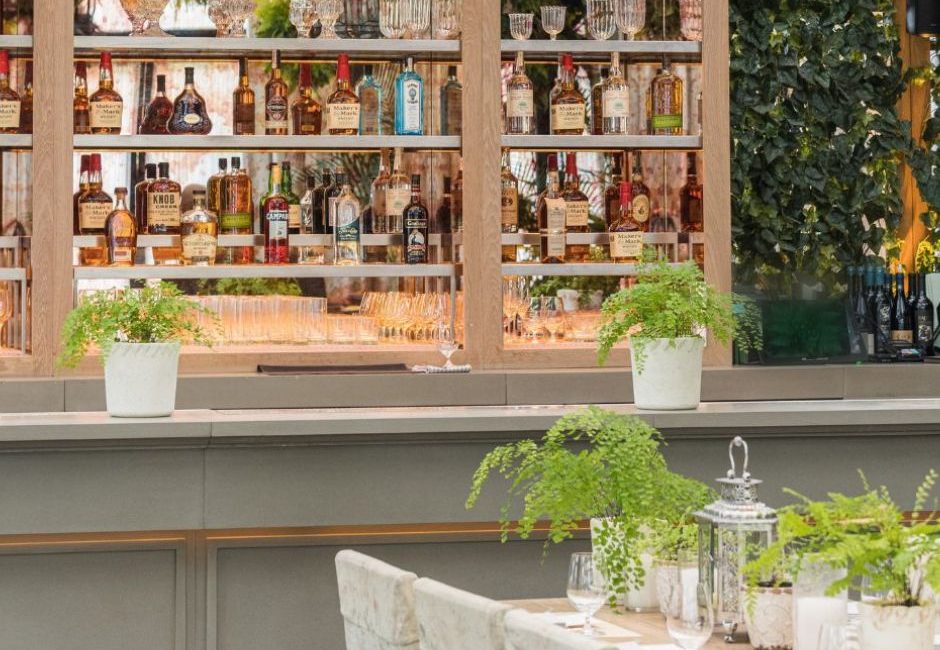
[{"x": 651, "y": 627}]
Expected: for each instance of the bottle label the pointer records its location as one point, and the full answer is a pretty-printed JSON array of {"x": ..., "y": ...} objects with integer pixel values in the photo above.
[
  {"x": 521, "y": 103},
  {"x": 509, "y": 213},
  {"x": 576, "y": 213},
  {"x": 902, "y": 336},
  {"x": 641, "y": 208},
  {"x": 626, "y": 245},
  {"x": 199, "y": 248},
  {"x": 416, "y": 249},
  {"x": 293, "y": 215},
  {"x": 347, "y": 222},
  {"x": 924, "y": 324},
  {"x": 122, "y": 255},
  {"x": 567, "y": 117},
  {"x": 616, "y": 104},
  {"x": 554, "y": 246},
  {"x": 192, "y": 119},
  {"x": 454, "y": 120},
  {"x": 235, "y": 221},
  {"x": 277, "y": 224},
  {"x": 92, "y": 216},
  {"x": 9, "y": 114},
  {"x": 369, "y": 112},
  {"x": 106, "y": 115},
  {"x": 342, "y": 117},
  {"x": 396, "y": 200},
  {"x": 244, "y": 119},
  {"x": 555, "y": 215},
  {"x": 275, "y": 112},
  {"x": 163, "y": 208},
  {"x": 670, "y": 121},
  {"x": 308, "y": 126}
]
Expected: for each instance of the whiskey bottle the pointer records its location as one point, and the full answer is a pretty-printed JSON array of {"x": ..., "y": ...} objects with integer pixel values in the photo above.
[
  {"x": 81, "y": 119},
  {"x": 397, "y": 196},
  {"x": 509, "y": 212},
  {"x": 306, "y": 113},
  {"x": 26, "y": 105},
  {"x": 612, "y": 196},
  {"x": 520, "y": 101},
  {"x": 243, "y": 103},
  {"x": 199, "y": 232},
  {"x": 214, "y": 197},
  {"x": 274, "y": 216},
  {"x": 664, "y": 103},
  {"x": 597, "y": 105},
  {"x": 551, "y": 217},
  {"x": 416, "y": 223},
  {"x": 640, "y": 193},
  {"x": 121, "y": 232},
  {"x": 319, "y": 202},
  {"x": 692, "y": 215},
  {"x": 451, "y": 104},
  {"x": 444, "y": 216},
  {"x": 106, "y": 108},
  {"x": 276, "y": 109},
  {"x": 10, "y": 103},
  {"x": 84, "y": 170},
  {"x": 626, "y": 234},
  {"x": 615, "y": 103},
  {"x": 94, "y": 206},
  {"x": 158, "y": 113},
  {"x": 309, "y": 221},
  {"x": 293, "y": 201},
  {"x": 236, "y": 213},
  {"x": 342, "y": 106},
  {"x": 550, "y": 168},
  {"x": 567, "y": 109},
  {"x": 140, "y": 196},
  {"x": 458, "y": 198},
  {"x": 370, "y": 101},
  {"x": 190, "y": 116},
  {"x": 377, "y": 193},
  {"x": 346, "y": 231},
  {"x": 332, "y": 193},
  {"x": 577, "y": 214},
  {"x": 409, "y": 101},
  {"x": 163, "y": 213}
]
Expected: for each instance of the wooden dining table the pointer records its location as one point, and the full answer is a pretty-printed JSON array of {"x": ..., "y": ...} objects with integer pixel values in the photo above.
[{"x": 651, "y": 627}]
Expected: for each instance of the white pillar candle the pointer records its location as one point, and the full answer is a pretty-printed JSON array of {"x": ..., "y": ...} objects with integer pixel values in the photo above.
[
  {"x": 810, "y": 614},
  {"x": 644, "y": 598}
]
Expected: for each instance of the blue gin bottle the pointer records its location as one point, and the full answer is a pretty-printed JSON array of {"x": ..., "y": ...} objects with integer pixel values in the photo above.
[{"x": 409, "y": 101}]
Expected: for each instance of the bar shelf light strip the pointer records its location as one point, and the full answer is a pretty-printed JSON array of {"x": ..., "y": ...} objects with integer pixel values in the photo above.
[
  {"x": 587, "y": 269},
  {"x": 16, "y": 42},
  {"x": 175, "y": 272},
  {"x": 685, "y": 50},
  {"x": 263, "y": 142}
]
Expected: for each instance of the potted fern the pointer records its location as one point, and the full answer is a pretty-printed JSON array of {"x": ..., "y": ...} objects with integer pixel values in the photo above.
[
  {"x": 665, "y": 316},
  {"x": 138, "y": 333}
]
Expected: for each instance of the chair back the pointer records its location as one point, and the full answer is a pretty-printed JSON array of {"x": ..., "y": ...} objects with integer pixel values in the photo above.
[
  {"x": 453, "y": 619},
  {"x": 525, "y": 631}
]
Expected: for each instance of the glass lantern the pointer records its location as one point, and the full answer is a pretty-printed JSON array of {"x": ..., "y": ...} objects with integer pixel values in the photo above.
[{"x": 732, "y": 531}]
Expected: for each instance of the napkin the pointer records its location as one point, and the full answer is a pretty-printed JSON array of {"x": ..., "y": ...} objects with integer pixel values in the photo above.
[
  {"x": 434, "y": 370},
  {"x": 576, "y": 621}
]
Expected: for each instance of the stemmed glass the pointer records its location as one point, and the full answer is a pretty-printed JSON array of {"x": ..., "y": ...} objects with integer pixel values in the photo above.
[
  {"x": 218, "y": 14},
  {"x": 446, "y": 343},
  {"x": 417, "y": 17},
  {"x": 392, "y": 18},
  {"x": 690, "y": 19},
  {"x": 553, "y": 316},
  {"x": 630, "y": 16},
  {"x": 600, "y": 19},
  {"x": 446, "y": 18},
  {"x": 692, "y": 622},
  {"x": 6, "y": 304},
  {"x": 303, "y": 16},
  {"x": 240, "y": 10},
  {"x": 151, "y": 10},
  {"x": 553, "y": 20},
  {"x": 587, "y": 589},
  {"x": 520, "y": 26},
  {"x": 132, "y": 9},
  {"x": 329, "y": 11}
]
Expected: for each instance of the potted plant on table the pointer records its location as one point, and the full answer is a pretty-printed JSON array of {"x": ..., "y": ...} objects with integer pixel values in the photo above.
[{"x": 138, "y": 333}]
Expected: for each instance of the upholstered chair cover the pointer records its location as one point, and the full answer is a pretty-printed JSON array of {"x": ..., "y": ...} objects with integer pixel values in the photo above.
[
  {"x": 453, "y": 619},
  {"x": 377, "y": 603},
  {"x": 525, "y": 631}
]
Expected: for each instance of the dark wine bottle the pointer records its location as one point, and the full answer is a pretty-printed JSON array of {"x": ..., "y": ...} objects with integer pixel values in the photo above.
[
  {"x": 860, "y": 311},
  {"x": 923, "y": 317},
  {"x": 882, "y": 312},
  {"x": 902, "y": 330}
]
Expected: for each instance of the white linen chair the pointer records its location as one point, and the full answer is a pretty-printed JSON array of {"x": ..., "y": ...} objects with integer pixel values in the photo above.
[
  {"x": 525, "y": 631},
  {"x": 377, "y": 603},
  {"x": 453, "y": 619}
]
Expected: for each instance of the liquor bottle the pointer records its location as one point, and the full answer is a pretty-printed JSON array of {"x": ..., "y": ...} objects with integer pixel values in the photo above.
[
  {"x": 597, "y": 105},
  {"x": 306, "y": 113},
  {"x": 94, "y": 206},
  {"x": 444, "y": 216},
  {"x": 26, "y": 105},
  {"x": 692, "y": 213},
  {"x": 342, "y": 106},
  {"x": 274, "y": 216},
  {"x": 612, "y": 196},
  {"x": 615, "y": 100},
  {"x": 902, "y": 331},
  {"x": 509, "y": 212},
  {"x": 860, "y": 310},
  {"x": 329, "y": 198},
  {"x": 559, "y": 77},
  {"x": 409, "y": 101},
  {"x": 159, "y": 111},
  {"x": 293, "y": 201},
  {"x": 377, "y": 194},
  {"x": 106, "y": 108},
  {"x": 458, "y": 199},
  {"x": 551, "y": 216},
  {"x": 567, "y": 108},
  {"x": 416, "y": 226},
  {"x": 276, "y": 109},
  {"x": 640, "y": 193},
  {"x": 309, "y": 223},
  {"x": 911, "y": 294},
  {"x": 319, "y": 202},
  {"x": 520, "y": 101},
  {"x": 10, "y": 103},
  {"x": 346, "y": 231},
  {"x": 664, "y": 103},
  {"x": 577, "y": 213},
  {"x": 551, "y": 166},
  {"x": 199, "y": 233},
  {"x": 397, "y": 196},
  {"x": 451, "y": 104},
  {"x": 626, "y": 234},
  {"x": 81, "y": 119},
  {"x": 924, "y": 325},
  {"x": 140, "y": 196},
  {"x": 121, "y": 232},
  {"x": 370, "y": 100},
  {"x": 190, "y": 116},
  {"x": 214, "y": 188},
  {"x": 84, "y": 170},
  {"x": 243, "y": 103},
  {"x": 163, "y": 213},
  {"x": 882, "y": 314},
  {"x": 237, "y": 213}
]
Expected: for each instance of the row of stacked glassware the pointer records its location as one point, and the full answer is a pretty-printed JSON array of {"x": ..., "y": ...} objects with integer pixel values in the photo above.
[
  {"x": 604, "y": 18},
  {"x": 548, "y": 319}
]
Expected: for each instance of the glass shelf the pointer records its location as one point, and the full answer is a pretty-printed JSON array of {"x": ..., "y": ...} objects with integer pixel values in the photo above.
[
  {"x": 230, "y": 241},
  {"x": 602, "y": 142},
  {"x": 570, "y": 269},
  {"x": 597, "y": 51},
  {"x": 175, "y": 272},
  {"x": 265, "y": 143}
]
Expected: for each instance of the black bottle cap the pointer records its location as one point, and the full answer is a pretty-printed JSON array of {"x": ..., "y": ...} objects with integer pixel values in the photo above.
[
  {"x": 189, "y": 75},
  {"x": 223, "y": 164},
  {"x": 416, "y": 180},
  {"x": 367, "y": 70},
  {"x": 447, "y": 185},
  {"x": 164, "y": 168},
  {"x": 451, "y": 71},
  {"x": 150, "y": 170},
  {"x": 236, "y": 163},
  {"x": 161, "y": 83}
]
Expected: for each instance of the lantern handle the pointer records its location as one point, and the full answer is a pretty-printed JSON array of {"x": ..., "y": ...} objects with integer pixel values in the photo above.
[{"x": 732, "y": 473}]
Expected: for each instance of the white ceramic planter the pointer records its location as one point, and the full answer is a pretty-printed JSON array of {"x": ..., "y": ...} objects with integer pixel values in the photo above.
[
  {"x": 643, "y": 598},
  {"x": 671, "y": 379},
  {"x": 770, "y": 626},
  {"x": 140, "y": 379},
  {"x": 894, "y": 628},
  {"x": 671, "y": 599}
]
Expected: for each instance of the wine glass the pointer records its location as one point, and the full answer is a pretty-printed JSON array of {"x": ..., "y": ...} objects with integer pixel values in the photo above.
[
  {"x": 446, "y": 344},
  {"x": 553, "y": 20},
  {"x": 600, "y": 19},
  {"x": 587, "y": 589},
  {"x": 446, "y": 18},
  {"x": 151, "y": 10},
  {"x": 392, "y": 18},
  {"x": 630, "y": 16},
  {"x": 329, "y": 11},
  {"x": 690, "y": 19},
  {"x": 520, "y": 26},
  {"x": 692, "y": 622},
  {"x": 303, "y": 16},
  {"x": 218, "y": 14},
  {"x": 240, "y": 10},
  {"x": 132, "y": 9},
  {"x": 417, "y": 17}
]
